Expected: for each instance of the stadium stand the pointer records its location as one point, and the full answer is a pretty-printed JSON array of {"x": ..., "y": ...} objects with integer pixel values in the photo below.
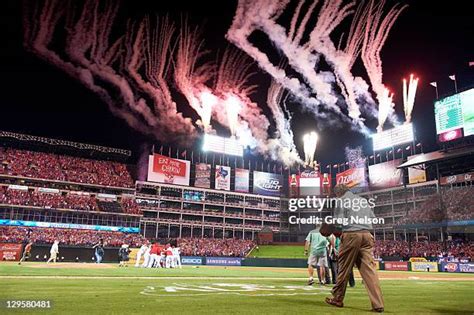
[{"x": 64, "y": 168}]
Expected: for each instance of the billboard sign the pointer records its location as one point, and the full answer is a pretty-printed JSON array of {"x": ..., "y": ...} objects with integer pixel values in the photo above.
[
  {"x": 385, "y": 175},
  {"x": 163, "y": 169},
  {"x": 222, "y": 181},
  {"x": 10, "y": 252},
  {"x": 396, "y": 265},
  {"x": 192, "y": 260},
  {"x": 393, "y": 137},
  {"x": 310, "y": 183},
  {"x": 415, "y": 174},
  {"x": 267, "y": 184},
  {"x": 454, "y": 116},
  {"x": 223, "y": 261},
  {"x": 456, "y": 179},
  {"x": 203, "y": 175},
  {"x": 352, "y": 178},
  {"x": 242, "y": 177},
  {"x": 228, "y": 146},
  {"x": 424, "y": 266}
]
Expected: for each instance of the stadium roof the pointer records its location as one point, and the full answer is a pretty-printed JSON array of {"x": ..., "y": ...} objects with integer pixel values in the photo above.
[{"x": 438, "y": 156}]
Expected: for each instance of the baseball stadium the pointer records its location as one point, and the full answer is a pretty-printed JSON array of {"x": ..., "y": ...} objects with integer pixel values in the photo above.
[{"x": 236, "y": 157}]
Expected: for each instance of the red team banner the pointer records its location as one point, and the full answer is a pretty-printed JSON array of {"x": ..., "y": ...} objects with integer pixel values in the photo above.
[{"x": 163, "y": 169}]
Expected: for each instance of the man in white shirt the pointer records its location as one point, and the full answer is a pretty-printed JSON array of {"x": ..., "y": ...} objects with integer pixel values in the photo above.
[
  {"x": 141, "y": 252},
  {"x": 54, "y": 251}
]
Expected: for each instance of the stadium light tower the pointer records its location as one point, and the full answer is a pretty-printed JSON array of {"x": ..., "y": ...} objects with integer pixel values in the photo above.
[{"x": 310, "y": 141}]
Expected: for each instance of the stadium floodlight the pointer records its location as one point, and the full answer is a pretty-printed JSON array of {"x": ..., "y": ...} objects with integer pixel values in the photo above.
[
  {"x": 229, "y": 146},
  {"x": 396, "y": 136}
]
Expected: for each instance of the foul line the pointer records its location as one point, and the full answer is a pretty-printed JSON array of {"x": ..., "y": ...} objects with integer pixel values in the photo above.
[{"x": 214, "y": 278}]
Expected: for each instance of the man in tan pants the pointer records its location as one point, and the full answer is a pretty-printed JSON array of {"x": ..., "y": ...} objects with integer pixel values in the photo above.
[{"x": 357, "y": 245}]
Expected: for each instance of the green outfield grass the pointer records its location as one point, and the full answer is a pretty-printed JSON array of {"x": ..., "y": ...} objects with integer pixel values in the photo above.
[
  {"x": 278, "y": 251},
  {"x": 89, "y": 289}
]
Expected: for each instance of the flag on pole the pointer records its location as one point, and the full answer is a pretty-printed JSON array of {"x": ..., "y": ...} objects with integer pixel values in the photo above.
[
  {"x": 435, "y": 84},
  {"x": 453, "y": 77},
  {"x": 183, "y": 154}
]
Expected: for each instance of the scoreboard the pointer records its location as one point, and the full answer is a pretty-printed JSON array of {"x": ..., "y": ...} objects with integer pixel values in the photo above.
[{"x": 454, "y": 116}]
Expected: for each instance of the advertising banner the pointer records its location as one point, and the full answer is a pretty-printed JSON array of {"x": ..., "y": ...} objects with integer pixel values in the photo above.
[
  {"x": 455, "y": 179},
  {"x": 294, "y": 185},
  {"x": 424, "y": 266},
  {"x": 222, "y": 180},
  {"x": 10, "y": 252},
  {"x": 416, "y": 174},
  {"x": 191, "y": 260},
  {"x": 385, "y": 175},
  {"x": 163, "y": 169},
  {"x": 326, "y": 184},
  {"x": 242, "y": 177},
  {"x": 203, "y": 175},
  {"x": 352, "y": 178},
  {"x": 267, "y": 184},
  {"x": 310, "y": 183},
  {"x": 69, "y": 226},
  {"x": 396, "y": 265},
  {"x": 450, "y": 266},
  {"x": 223, "y": 261},
  {"x": 466, "y": 267}
]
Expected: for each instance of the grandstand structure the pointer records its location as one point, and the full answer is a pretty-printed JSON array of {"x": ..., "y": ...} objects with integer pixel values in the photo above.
[{"x": 46, "y": 188}]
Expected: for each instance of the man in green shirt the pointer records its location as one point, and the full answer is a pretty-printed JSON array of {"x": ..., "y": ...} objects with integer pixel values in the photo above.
[{"x": 316, "y": 247}]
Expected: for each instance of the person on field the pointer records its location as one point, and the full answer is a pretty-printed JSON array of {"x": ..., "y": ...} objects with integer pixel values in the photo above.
[
  {"x": 124, "y": 253},
  {"x": 141, "y": 252},
  {"x": 356, "y": 248},
  {"x": 26, "y": 252},
  {"x": 99, "y": 251},
  {"x": 54, "y": 252},
  {"x": 315, "y": 246}
]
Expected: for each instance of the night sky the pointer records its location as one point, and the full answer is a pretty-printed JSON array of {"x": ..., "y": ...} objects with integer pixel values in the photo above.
[{"x": 431, "y": 39}]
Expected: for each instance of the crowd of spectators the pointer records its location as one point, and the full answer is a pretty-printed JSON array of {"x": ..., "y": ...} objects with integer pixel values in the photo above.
[
  {"x": 431, "y": 250},
  {"x": 455, "y": 205},
  {"x": 214, "y": 247},
  {"x": 63, "y": 168},
  {"x": 77, "y": 237},
  {"x": 69, "y": 200}
]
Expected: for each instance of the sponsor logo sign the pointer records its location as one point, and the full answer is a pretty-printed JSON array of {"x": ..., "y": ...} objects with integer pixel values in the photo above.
[
  {"x": 385, "y": 175},
  {"x": 163, "y": 169},
  {"x": 268, "y": 184},
  {"x": 203, "y": 175},
  {"x": 415, "y": 174},
  {"x": 467, "y": 267},
  {"x": 223, "y": 261},
  {"x": 352, "y": 178},
  {"x": 242, "y": 177},
  {"x": 460, "y": 178},
  {"x": 424, "y": 266},
  {"x": 396, "y": 265},
  {"x": 69, "y": 226},
  {"x": 222, "y": 180},
  {"x": 450, "y": 266},
  {"x": 191, "y": 260},
  {"x": 10, "y": 252}
]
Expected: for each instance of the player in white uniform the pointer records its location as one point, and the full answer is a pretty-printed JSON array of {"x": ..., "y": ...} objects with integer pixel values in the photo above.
[
  {"x": 141, "y": 252},
  {"x": 176, "y": 258},
  {"x": 146, "y": 257},
  {"x": 54, "y": 251}
]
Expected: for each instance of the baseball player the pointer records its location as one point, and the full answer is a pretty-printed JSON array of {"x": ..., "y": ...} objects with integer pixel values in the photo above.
[
  {"x": 26, "y": 252},
  {"x": 54, "y": 252},
  {"x": 141, "y": 252}
]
